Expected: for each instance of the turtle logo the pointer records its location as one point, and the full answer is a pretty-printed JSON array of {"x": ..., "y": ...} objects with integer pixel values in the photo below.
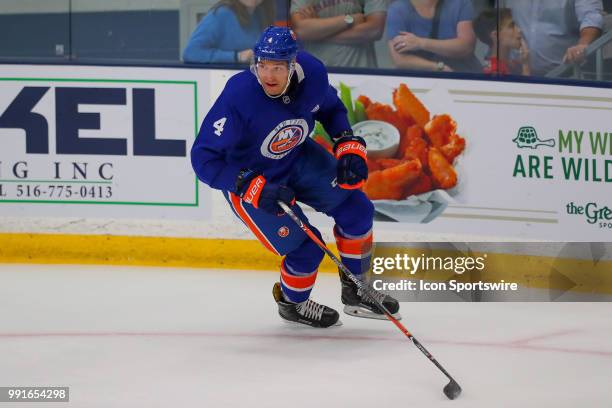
[
  {"x": 283, "y": 138},
  {"x": 528, "y": 137}
]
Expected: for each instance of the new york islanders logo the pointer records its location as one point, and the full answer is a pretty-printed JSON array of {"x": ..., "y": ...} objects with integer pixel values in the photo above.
[
  {"x": 283, "y": 231},
  {"x": 284, "y": 137}
]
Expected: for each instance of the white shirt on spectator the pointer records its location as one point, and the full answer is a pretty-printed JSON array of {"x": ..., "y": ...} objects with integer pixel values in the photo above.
[{"x": 550, "y": 27}]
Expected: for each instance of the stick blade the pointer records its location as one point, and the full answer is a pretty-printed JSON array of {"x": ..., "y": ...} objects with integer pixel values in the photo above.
[{"x": 452, "y": 390}]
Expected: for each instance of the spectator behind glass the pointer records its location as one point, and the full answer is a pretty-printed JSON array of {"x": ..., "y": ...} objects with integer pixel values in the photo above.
[
  {"x": 501, "y": 43},
  {"x": 229, "y": 30},
  {"x": 557, "y": 31},
  {"x": 340, "y": 32},
  {"x": 432, "y": 35}
]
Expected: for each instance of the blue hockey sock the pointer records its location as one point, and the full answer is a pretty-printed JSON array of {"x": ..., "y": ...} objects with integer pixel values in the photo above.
[{"x": 299, "y": 270}]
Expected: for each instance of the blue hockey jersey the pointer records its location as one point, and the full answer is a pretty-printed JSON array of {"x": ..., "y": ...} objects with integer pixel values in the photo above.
[{"x": 247, "y": 129}]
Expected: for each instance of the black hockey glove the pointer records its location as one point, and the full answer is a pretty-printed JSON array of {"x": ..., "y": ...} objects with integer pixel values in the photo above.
[
  {"x": 253, "y": 189},
  {"x": 350, "y": 151}
]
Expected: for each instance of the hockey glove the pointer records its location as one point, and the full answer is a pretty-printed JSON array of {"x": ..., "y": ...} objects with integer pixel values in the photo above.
[
  {"x": 350, "y": 151},
  {"x": 253, "y": 189}
]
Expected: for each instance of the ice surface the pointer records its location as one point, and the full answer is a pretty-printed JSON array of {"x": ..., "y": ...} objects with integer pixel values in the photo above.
[{"x": 162, "y": 337}]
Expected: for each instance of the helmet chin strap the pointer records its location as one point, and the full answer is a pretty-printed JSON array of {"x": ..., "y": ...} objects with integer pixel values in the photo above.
[{"x": 291, "y": 71}]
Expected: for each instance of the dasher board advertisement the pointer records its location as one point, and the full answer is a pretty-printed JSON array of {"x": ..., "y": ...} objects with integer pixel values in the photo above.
[
  {"x": 485, "y": 157},
  {"x": 78, "y": 138}
]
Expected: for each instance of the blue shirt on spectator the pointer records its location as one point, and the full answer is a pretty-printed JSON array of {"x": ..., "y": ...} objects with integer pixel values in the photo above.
[
  {"x": 219, "y": 36},
  {"x": 402, "y": 16}
]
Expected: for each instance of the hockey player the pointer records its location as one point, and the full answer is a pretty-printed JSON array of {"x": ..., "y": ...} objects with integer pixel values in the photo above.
[{"x": 253, "y": 146}]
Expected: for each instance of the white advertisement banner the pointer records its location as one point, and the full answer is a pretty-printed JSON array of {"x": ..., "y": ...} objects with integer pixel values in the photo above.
[
  {"x": 507, "y": 159},
  {"x": 516, "y": 160},
  {"x": 102, "y": 136}
]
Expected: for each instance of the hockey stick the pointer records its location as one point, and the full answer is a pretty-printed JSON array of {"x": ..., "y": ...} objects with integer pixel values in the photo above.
[{"x": 452, "y": 389}]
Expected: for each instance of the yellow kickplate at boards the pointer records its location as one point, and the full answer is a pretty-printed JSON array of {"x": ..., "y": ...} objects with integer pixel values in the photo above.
[
  {"x": 149, "y": 251},
  {"x": 580, "y": 275}
]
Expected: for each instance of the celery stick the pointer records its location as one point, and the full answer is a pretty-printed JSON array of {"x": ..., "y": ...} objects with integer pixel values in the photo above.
[
  {"x": 360, "y": 114},
  {"x": 345, "y": 97}
]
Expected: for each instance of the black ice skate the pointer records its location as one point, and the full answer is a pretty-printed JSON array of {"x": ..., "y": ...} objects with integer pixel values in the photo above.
[
  {"x": 360, "y": 304},
  {"x": 309, "y": 312}
]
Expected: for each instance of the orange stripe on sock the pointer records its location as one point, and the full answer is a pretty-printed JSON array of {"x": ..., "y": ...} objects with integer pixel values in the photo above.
[
  {"x": 297, "y": 282},
  {"x": 356, "y": 246},
  {"x": 244, "y": 216}
]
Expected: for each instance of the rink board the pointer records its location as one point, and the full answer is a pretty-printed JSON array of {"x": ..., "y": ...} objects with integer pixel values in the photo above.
[{"x": 113, "y": 142}]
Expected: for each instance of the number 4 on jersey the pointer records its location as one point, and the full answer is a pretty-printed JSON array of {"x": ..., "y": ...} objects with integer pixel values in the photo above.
[{"x": 218, "y": 125}]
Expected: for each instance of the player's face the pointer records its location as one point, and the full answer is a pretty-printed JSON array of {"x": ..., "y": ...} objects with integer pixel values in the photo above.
[
  {"x": 273, "y": 76},
  {"x": 251, "y": 4}
]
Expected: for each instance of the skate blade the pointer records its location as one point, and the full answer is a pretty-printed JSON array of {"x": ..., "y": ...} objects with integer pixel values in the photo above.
[
  {"x": 298, "y": 324},
  {"x": 357, "y": 311}
]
